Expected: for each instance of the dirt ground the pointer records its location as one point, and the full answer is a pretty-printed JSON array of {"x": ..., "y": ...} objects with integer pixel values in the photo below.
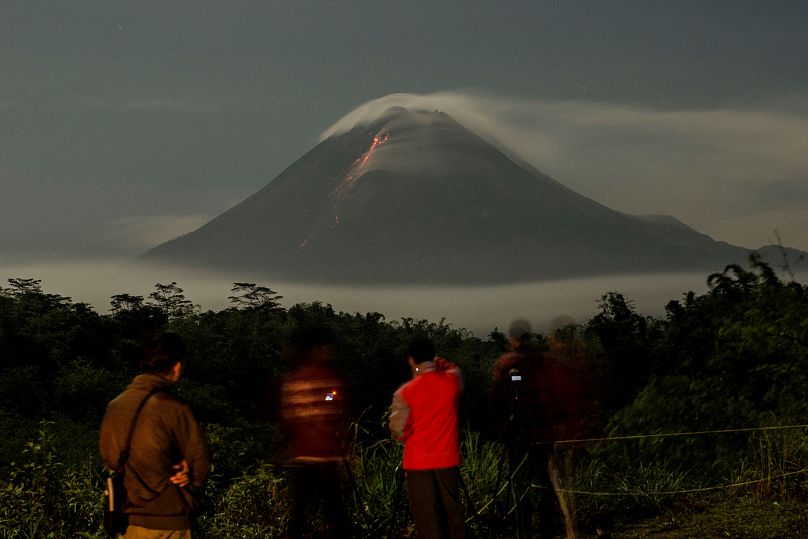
[{"x": 744, "y": 517}]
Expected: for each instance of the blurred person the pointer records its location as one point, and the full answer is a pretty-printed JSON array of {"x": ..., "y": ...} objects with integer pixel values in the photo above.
[
  {"x": 168, "y": 458},
  {"x": 313, "y": 415},
  {"x": 424, "y": 417},
  {"x": 534, "y": 404},
  {"x": 515, "y": 409}
]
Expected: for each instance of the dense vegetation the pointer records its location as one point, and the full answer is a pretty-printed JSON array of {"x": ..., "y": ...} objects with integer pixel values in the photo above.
[{"x": 732, "y": 358}]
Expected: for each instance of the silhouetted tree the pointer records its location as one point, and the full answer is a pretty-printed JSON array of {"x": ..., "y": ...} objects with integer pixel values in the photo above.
[
  {"x": 125, "y": 302},
  {"x": 251, "y": 296},
  {"x": 623, "y": 335},
  {"x": 171, "y": 299}
]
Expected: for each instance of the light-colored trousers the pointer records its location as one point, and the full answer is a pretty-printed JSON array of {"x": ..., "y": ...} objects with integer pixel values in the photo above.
[{"x": 136, "y": 532}]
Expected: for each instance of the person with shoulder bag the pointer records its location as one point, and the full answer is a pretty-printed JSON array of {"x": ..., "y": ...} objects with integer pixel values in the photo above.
[{"x": 153, "y": 444}]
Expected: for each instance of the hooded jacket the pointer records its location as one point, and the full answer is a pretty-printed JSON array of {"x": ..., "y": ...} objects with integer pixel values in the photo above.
[{"x": 166, "y": 432}]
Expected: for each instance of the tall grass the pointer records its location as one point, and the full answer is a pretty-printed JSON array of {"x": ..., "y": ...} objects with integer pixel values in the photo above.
[
  {"x": 378, "y": 497},
  {"x": 484, "y": 472},
  {"x": 42, "y": 496}
]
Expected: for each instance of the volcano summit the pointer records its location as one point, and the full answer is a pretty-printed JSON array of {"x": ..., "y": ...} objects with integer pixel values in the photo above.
[{"x": 414, "y": 197}]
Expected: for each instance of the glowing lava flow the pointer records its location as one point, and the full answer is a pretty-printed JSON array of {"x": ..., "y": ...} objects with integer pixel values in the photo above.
[
  {"x": 377, "y": 141},
  {"x": 359, "y": 164},
  {"x": 356, "y": 167},
  {"x": 344, "y": 182}
]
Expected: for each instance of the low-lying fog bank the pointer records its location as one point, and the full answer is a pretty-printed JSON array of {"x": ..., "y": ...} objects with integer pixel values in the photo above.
[{"x": 479, "y": 309}]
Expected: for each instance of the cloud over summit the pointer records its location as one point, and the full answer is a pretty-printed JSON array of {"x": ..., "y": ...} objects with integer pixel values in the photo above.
[{"x": 706, "y": 167}]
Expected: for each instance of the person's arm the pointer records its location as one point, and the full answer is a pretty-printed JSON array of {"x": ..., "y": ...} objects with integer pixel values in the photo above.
[
  {"x": 444, "y": 365},
  {"x": 183, "y": 476},
  {"x": 500, "y": 369},
  {"x": 399, "y": 414},
  {"x": 107, "y": 444},
  {"x": 191, "y": 443}
]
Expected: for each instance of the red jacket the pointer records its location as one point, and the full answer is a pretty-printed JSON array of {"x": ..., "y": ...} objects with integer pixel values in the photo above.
[{"x": 424, "y": 417}]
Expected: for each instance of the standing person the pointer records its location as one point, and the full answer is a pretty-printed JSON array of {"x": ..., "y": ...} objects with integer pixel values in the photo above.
[
  {"x": 515, "y": 406},
  {"x": 520, "y": 423},
  {"x": 535, "y": 403},
  {"x": 424, "y": 417},
  {"x": 313, "y": 417},
  {"x": 168, "y": 457}
]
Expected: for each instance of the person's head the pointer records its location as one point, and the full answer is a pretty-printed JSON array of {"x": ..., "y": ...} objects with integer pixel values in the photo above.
[
  {"x": 519, "y": 333},
  {"x": 311, "y": 342},
  {"x": 163, "y": 355},
  {"x": 420, "y": 350}
]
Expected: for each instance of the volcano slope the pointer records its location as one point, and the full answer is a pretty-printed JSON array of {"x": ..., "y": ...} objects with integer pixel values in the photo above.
[{"x": 414, "y": 197}]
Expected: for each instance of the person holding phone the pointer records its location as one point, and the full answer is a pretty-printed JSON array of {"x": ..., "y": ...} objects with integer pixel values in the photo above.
[{"x": 424, "y": 417}]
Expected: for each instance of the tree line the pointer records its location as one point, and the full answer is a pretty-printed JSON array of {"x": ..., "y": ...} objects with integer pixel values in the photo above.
[{"x": 735, "y": 356}]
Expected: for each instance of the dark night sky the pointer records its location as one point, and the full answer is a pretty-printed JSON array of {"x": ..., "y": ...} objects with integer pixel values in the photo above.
[{"x": 127, "y": 123}]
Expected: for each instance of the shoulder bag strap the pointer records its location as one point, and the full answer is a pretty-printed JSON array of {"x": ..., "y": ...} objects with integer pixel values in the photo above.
[{"x": 124, "y": 456}]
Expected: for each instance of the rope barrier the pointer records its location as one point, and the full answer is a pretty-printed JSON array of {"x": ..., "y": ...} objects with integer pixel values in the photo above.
[
  {"x": 672, "y": 435},
  {"x": 672, "y": 492},
  {"x": 675, "y": 434}
]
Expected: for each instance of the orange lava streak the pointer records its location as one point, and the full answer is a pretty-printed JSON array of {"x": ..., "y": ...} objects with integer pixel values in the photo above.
[
  {"x": 350, "y": 175},
  {"x": 377, "y": 141},
  {"x": 355, "y": 169}
]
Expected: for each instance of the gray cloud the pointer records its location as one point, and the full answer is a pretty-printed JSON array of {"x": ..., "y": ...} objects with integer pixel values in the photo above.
[
  {"x": 787, "y": 193},
  {"x": 479, "y": 309},
  {"x": 145, "y": 231}
]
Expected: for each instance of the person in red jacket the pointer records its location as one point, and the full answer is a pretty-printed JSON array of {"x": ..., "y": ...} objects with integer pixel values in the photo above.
[{"x": 424, "y": 418}]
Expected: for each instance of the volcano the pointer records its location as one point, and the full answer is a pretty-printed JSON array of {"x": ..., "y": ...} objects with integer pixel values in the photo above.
[{"x": 415, "y": 197}]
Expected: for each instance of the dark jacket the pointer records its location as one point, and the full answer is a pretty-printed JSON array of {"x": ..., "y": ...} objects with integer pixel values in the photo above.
[
  {"x": 166, "y": 433},
  {"x": 536, "y": 397}
]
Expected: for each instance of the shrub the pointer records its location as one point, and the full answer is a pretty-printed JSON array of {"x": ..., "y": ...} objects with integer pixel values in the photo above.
[
  {"x": 255, "y": 505},
  {"x": 42, "y": 498}
]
